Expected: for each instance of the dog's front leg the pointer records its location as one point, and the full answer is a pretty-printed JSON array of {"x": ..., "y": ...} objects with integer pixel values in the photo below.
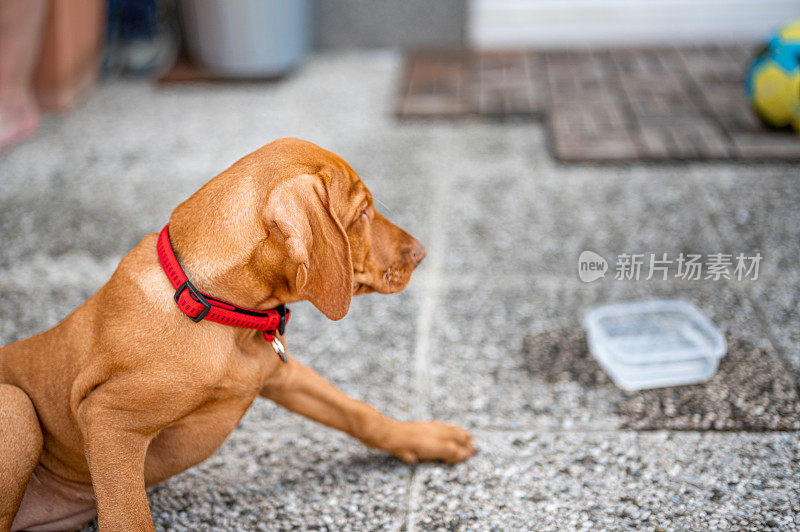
[
  {"x": 304, "y": 391},
  {"x": 115, "y": 451}
]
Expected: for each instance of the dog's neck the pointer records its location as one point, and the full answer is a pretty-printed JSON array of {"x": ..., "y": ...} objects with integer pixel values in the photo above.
[{"x": 219, "y": 259}]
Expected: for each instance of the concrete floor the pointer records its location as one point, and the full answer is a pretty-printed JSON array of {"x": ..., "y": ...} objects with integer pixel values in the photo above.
[{"x": 503, "y": 225}]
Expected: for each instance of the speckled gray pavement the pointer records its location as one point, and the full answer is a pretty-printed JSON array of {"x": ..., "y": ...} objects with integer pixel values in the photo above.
[{"x": 503, "y": 225}]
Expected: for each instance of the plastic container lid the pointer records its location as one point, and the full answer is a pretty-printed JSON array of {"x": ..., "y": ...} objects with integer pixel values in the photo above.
[{"x": 649, "y": 344}]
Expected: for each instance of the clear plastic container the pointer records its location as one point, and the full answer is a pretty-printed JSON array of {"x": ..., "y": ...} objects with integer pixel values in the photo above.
[{"x": 651, "y": 344}]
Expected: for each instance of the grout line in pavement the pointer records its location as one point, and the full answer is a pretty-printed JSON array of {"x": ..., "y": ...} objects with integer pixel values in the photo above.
[
  {"x": 499, "y": 429},
  {"x": 429, "y": 294},
  {"x": 452, "y": 281},
  {"x": 414, "y": 494},
  {"x": 430, "y": 289}
]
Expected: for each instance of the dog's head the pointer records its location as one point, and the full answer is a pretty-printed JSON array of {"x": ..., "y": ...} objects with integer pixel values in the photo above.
[{"x": 321, "y": 218}]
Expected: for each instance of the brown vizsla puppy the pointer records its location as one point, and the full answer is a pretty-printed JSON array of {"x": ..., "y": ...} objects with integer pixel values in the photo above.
[{"x": 128, "y": 391}]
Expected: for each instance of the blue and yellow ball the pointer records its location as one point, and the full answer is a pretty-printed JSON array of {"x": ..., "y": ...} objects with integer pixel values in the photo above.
[{"x": 773, "y": 80}]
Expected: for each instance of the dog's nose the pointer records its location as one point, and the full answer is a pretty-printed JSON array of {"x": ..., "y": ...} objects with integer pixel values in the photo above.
[{"x": 418, "y": 253}]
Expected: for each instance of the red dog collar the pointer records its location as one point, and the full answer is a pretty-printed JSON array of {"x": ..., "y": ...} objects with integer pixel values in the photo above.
[{"x": 199, "y": 306}]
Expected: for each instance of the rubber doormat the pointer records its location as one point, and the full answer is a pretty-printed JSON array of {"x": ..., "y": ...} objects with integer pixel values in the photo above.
[
  {"x": 750, "y": 391},
  {"x": 604, "y": 105}
]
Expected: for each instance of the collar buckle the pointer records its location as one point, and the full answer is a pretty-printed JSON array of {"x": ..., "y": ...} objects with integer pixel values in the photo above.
[
  {"x": 282, "y": 310},
  {"x": 187, "y": 285}
]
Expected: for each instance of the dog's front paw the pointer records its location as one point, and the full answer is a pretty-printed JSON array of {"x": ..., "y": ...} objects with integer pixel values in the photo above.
[{"x": 420, "y": 441}]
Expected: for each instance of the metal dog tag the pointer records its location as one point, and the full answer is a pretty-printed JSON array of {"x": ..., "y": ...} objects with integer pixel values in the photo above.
[{"x": 277, "y": 345}]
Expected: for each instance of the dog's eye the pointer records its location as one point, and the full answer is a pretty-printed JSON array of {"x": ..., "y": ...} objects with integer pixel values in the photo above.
[{"x": 364, "y": 214}]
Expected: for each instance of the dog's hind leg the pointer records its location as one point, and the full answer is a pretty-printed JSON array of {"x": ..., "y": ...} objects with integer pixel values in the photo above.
[{"x": 20, "y": 447}]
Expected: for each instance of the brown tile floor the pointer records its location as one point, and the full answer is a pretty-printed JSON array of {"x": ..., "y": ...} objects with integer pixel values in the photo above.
[{"x": 605, "y": 105}]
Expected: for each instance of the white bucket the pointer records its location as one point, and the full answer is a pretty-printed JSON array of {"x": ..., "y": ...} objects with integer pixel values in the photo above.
[{"x": 247, "y": 38}]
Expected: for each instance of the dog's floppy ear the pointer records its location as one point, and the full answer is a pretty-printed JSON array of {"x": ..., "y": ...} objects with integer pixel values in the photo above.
[{"x": 299, "y": 213}]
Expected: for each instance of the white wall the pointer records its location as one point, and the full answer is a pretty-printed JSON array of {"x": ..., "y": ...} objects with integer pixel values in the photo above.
[{"x": 576, "y": 23}]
